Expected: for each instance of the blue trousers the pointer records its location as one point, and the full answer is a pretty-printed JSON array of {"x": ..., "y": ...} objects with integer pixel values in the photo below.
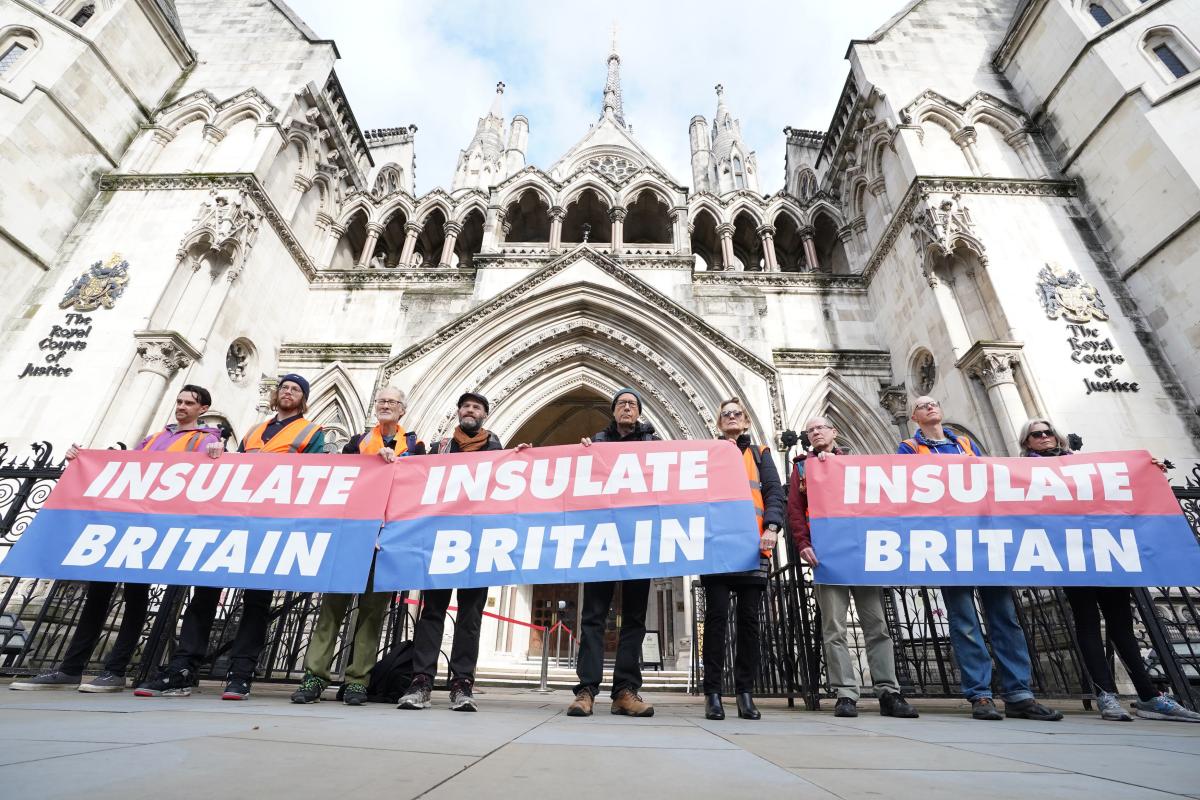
[{"x": 1005, "y": 633}]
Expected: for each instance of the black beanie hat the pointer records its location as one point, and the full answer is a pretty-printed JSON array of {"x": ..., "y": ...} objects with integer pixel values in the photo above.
[
  {"x": 627, "y": 390},
  {"x": 298, "y": 380}
]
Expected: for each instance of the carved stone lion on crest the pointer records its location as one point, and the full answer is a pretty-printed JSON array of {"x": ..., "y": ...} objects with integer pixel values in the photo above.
[{"x": 1065, "y": 293}]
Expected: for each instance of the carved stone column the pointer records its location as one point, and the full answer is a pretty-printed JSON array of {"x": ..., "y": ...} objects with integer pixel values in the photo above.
[
  {"x": 452, "y": 229},
  {"x": 767, "y": 234},
  {"x": 160, "y": 354},
  {"x": 557, "y": 214},
  {"x": 411, "y": 231},
  {"x": 374, "y": 229},
  {"x": 878, "y": 189},
  {"x": 965, "y": 139},
  {"x": 725, "y": 231},
  {"x": 212, "y": 135},
  {"x": 333, "y": 235},
  {"x": 894, "y": 400},
  {"x": 993, "y": 364},
  {"x": 810, "y": 249},
  {"x": 157, "y": 140},
  {"x": 1020, "y": 142},
  {"x": 617, "y": 216},
  {"x": 300, "y": 185},
  {"x": 681, "y": 231}
]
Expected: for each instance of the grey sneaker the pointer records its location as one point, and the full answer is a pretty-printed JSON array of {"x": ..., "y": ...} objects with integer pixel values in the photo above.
[
  {"x": 1164, "y": 707},
  {"x": 461, "y": 698},
  {"x": 1111, "y": 709},
  {"x": 104, "y": 682},
  {"x": 417, "y": 696},
  {"x": 47, "y": 680}
]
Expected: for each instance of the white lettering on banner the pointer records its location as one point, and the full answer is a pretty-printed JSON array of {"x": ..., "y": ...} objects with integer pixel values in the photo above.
[
  {"x": 927, "y": 550},
  {"x": 547, "y": 479},
  {"x": 678, "y": 539},
  {"x": 284, "y": 484},
  {"x": 208, "y": 550},
  {"x": 970, "y": 483}
]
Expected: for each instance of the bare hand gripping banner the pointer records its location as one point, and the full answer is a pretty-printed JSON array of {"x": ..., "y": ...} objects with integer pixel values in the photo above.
[
  {"x": 296, "y": 522},
  {"x": 567, "y": 514},
  {"x": 1101, "y": 519}
]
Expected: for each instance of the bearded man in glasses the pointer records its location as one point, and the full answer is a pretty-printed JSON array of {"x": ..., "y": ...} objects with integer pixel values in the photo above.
[{"x": 834, "y": 601}]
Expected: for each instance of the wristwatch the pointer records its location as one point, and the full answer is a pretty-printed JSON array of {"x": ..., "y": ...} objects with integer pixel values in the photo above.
[{"x": 773, "y": 528}]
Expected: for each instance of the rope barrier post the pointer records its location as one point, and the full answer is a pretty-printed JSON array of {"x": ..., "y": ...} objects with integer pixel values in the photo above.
[
  {"x": 544, "y": 686},
  {"x": 558, "y": 645}
]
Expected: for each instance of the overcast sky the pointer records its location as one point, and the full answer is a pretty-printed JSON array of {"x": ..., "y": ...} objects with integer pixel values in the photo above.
[{"x": 436, "y": 64}]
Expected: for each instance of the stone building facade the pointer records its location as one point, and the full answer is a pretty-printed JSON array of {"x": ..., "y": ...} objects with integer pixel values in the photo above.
[{"x": 1002, "y": 212}]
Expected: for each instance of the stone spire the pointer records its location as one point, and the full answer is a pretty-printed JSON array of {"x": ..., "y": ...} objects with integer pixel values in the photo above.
[
  {"x": 481, "y": 164},
  {"x": 612, "y": 85},
  {"x": 734, "y": 164}
]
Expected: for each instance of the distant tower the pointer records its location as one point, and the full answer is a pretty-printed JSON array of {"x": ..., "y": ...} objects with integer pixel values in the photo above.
[
  {"x": 487, "y": 160},
  {"x": 721, "y": 162},
  {"x": 613, "y": 107}
]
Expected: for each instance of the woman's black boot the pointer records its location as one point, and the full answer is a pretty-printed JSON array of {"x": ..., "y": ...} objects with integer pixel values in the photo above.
[
  {"x": 746, "y": 709},
  {"x": 712, "y": 706}
]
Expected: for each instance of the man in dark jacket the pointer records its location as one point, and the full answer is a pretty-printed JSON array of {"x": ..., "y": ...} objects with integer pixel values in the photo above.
[
  {"x": 470, "y": 436},
  {"x": 834, "y": 602},
  {"x": 597, "y": 598}
]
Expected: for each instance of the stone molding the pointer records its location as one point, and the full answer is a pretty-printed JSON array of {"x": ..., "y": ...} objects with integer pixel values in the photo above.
[
  {"x": 164, "y": 352},
  {"x": 894, "y": 400},
  {"x": 991, "y": 362},
  {"x": 821, "y": 281},
  {"x": 872, "y": 362},
  {"x": 227, "y": 224},
  {"x": 325, "y": 353},
  {"x": 388, "y": 278},
  {"x": 629, "y": 260}
]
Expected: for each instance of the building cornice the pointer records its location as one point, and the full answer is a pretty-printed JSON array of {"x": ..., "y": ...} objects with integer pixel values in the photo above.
[
  {"x": 872, "y": 362},
  {"x": 328, "y": 352},
  {"x": 801, "y": 282}
]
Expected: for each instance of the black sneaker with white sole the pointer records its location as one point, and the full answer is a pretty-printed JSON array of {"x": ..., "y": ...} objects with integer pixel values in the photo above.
[
  {"x": 168, "y": 683},
  {"x": 461, "y": 698},
  {"x": 418, "y": 695},
  {"x": 104, "y": 682},
  {"x": 55, "y": 679},
  {"x": 236, "y": 689}
]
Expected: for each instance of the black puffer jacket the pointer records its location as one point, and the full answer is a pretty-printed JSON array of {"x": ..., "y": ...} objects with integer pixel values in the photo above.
[{"x": 642, "y": 432}]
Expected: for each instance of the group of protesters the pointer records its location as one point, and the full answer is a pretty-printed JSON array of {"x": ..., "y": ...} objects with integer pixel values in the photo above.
[{"x": 290, "y": 431}]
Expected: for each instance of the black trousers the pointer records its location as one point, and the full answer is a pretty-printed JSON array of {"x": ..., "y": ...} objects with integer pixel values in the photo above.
[
  {"x": 91, "y": 627},
  {"x": 597, "y": 600},
  {"x": 716, "y": 616},
  {"x": 1115, "y": 602},
  {"x": 427, "y": 639},
  {"x": 247, "y": 644}
]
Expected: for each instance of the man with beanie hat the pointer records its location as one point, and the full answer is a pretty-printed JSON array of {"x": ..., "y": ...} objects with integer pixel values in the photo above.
[
  {"x": 626, "y": 426},
  {"x": 287, "y": 432}
]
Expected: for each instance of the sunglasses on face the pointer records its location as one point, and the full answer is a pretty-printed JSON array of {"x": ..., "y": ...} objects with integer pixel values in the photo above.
[
  {"x": 1046, "y": 434},
  {"x": 731, "y": 414}
]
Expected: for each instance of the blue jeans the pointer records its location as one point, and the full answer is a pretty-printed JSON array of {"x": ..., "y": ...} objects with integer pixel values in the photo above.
[{"x": 1005, "y": 633}]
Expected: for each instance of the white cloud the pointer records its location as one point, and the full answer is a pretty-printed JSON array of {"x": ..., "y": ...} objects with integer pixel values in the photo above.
[{"x": 435, "y": 64}]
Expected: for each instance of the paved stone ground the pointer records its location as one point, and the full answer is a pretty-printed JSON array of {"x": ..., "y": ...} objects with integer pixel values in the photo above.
[{"x": 61, "y": 744}]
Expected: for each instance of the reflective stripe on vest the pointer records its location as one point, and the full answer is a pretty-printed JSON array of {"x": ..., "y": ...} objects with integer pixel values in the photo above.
[
  {"x": 963, "y": 443},
  {"x": 372, "y": 442},
  {"x": 293, "y": 438},
  {"x": 755, "y": 484},
  {"x": 185, "y": 444}
]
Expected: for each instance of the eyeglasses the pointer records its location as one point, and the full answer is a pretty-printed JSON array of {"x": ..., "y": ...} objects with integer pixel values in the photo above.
[
  {"x": 815, "y": 428},
  {"x": 1046, "y": 434},
  {"x": 732, "y": 413},
  {"x": 932, "y": 404},
  {"x": 626, "y": 403},
  {"x": 287, "y": 387},
  {"x": 388, "y": 403}
]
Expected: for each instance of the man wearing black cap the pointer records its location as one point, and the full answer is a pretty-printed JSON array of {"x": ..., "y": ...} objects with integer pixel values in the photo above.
[
  {"x": 286, "y": 432},
  {"x": 597, "y": 598},
  {"x": 469, "y": 436}
]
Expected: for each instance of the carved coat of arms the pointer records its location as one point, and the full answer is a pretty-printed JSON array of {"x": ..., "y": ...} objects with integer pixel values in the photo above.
[
  {"x": 101, "y": 285},
  {"x": 1064, "y": 293}
]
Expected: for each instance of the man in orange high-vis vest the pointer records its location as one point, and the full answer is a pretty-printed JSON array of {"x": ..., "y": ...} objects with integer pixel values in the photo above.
[
  {"x": 287, "y": 432},
  {"x": 1004, "y": 631},
  {"x": 389, "y": 441},
  {"x": 186, "y": 434}
]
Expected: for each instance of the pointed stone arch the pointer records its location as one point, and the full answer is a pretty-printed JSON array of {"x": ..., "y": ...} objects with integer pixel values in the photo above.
[
  {"x": 859, "y": 421},
  {"x": 334, "y": 404}
]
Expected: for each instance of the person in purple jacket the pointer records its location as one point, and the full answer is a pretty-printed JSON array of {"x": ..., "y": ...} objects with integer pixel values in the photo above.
[{"x": 184, "y": 435}]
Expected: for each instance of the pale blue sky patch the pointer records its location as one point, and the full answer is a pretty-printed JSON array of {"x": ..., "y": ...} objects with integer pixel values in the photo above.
[{"x": 436, "y": 64}]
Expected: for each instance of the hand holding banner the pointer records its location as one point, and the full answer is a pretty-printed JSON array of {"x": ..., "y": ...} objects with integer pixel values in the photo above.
[
  {"x": 566, "y": 514},
  {"x": 1101, "y": 519},
  {"x": 294, "y": 522}
]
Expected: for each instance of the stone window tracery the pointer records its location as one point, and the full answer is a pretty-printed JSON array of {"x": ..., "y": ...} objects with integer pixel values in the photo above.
[
  {"x": 83, "y": 15},
  {"x": 16, "y": 47},
  {"x": 1100, "y": 14},
  {"x": 1171, "y": 55},
  {"x": 615, "y": 167}
]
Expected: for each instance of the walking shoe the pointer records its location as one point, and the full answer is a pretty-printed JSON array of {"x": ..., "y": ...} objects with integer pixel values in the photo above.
[
  {"x": 1111, "y": 709},
  {"x": 1164, "y": 707},
  {"x": 985, "y": 708},
  {"x": 57, "y": 679},
  {"x": 461, "y": 698},
  {"x": 581, "y": 706},
  {"x": 236, "y": 689},
  {"x": 417, "y": 696},
  {"x": 104, "y": 682},
  {"x": 630, "y": 704},
  {"x": 1031, "y": 709},
  {"x": 168, "y": 683},
  {"x": 845, "y": 707},
  {"x": 309, "y": 690},
  {"x": 893, "y": 704},
  {"x": 355, "y": 694}
]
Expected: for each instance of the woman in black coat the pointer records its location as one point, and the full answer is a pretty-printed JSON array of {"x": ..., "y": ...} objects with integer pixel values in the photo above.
[{"x": 732, "y": 425}]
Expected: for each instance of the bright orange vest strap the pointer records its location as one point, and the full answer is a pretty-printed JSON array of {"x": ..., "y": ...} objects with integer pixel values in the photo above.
[
  {"x": 755, "y": 483},
  {"x": 372, "y": 443},
  {"x": 184, "y": 444},
  {"x": 963, "y": 443},
  {"x": 292, "y": 438}
]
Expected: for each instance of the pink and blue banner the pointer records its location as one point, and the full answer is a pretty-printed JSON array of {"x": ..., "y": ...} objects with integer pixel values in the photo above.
[
  {"x": 291, "y": 522},
  {"x": 1100, "y": 519},
  {"x": 567, "y": 514}
]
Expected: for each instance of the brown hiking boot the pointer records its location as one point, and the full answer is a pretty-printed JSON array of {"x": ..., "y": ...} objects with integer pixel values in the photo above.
[
  {"x": 630, "y": 703},
  {"x": 582, "y": 705}
]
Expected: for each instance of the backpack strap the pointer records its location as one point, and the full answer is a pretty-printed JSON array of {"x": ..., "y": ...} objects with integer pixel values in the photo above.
[{"x": 912, "y": 443}]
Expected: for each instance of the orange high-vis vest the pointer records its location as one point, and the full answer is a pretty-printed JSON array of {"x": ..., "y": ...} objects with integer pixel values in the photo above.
[
  {"x": 756, "y": 488},
  {"x": 292, "y": 438},
  {"x": 184, "y": 444},
  {"x": 372, "y": 443},
  {"x": 963, "y": 443}
]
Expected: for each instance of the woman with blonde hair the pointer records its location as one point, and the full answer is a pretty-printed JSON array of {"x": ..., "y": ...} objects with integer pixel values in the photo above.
[{"x": 1040, "y": 439}]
